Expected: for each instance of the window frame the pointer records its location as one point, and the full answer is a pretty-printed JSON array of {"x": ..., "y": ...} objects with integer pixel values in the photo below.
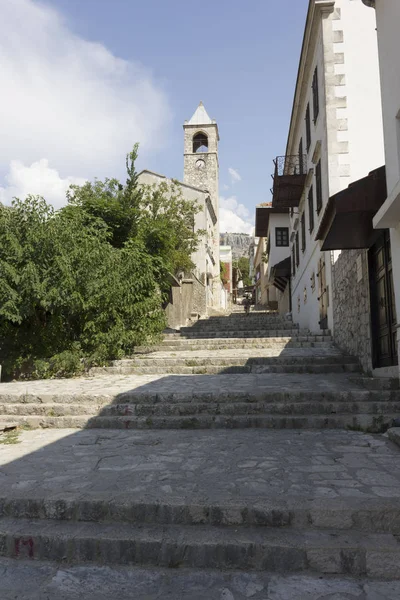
[
  {"x": 293, "y": 260},
  {"x": 315, "y": 90},
  {"x": 310, "y": 199},
  {"x": 308, "y": 127},
  {"x": 303, "y": 232},
  {"x": 301, "y": 156},
  {"x": 318, "y": 186},
  {"x": 284, "y": 232}
]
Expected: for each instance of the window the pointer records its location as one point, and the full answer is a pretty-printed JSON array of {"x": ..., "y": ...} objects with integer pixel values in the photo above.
[
  {"x": 311, "y": 208},
  {"x": 315, "y": 95},
  {"x": 303, "y": 232},
  {"x": 308, "y": 127},
  {"x": 200, "y": 142},
  {"x": 297, "y": 249},
  {"x": 282, "y": 236},
  {"x": 301, "y": 161},
  {"x": 318, "y": 184},
  {"x": 293, "y": 261}
]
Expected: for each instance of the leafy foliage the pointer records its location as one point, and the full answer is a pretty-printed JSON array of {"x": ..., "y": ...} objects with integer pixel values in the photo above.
[
  {"x": 244, "y": 267},
  {"x": 84, "y": 284},
  {"x": 67, "y": 293}
]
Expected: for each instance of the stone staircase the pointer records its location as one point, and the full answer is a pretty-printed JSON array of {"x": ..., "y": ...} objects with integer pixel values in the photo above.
[
  {"x": 298, "y": 381},
  {"x": 239, "y": 343},
  {"x": 296, "y": 489}
]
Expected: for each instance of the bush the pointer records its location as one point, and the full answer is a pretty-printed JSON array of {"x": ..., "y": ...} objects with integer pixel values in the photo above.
[{"x": 66, "y": 293}]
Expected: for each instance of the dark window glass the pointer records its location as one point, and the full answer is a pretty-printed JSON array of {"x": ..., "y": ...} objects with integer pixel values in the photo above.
[
  {"x": 315, "y": 95},
  {"x": 301, "y": 157},
  {"x": 318, "y": 184},
  {"x": 282, "y": 236},
  {"x": 293, "y": 261},
  {"x": 297, "y": 249},
  {"x": 311, "y": 208},
  {"x": 303, "y": 232},
  {"x": 308, "y": 127}
]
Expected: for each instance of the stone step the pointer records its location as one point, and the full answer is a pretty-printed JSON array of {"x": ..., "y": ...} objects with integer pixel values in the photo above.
[
  {"x": 369, "y": 515},
  {"x": 375, "y": 423},
  {"x": 288, "y": 395},
  {"x": 323, "y": 368},
  {"x": 198, "y": 408},
  {"x": 222, "y": 360},
  {"x": 205, "y": 547},
  {"x": 54, "y": 581},
  {"x": 249, "y": 333},
  {"x": 238, "y": 344},
  {"x": 242, "y": 324},
  {"x": 311, "y": 339}
]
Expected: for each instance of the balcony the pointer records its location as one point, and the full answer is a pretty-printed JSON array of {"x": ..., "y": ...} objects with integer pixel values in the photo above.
[{"x": 289, "y": 179}]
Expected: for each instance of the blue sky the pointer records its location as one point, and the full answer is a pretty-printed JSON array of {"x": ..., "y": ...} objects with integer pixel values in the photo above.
[{"x": 75, "y": 118}]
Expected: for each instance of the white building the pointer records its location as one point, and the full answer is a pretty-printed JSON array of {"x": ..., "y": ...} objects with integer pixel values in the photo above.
[
  {"x": 388, "y": 22},
  {"x": 205, "y": 219},
  {"x": 335, "y": 138},
  {"x": 272, "y": 225}
]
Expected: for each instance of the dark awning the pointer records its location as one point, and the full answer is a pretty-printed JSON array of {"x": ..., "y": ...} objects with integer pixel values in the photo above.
[
  {"x": 262, "y": 218},
  {"x": 280, "y": 274},
  {"x": 347, "y": 220}
]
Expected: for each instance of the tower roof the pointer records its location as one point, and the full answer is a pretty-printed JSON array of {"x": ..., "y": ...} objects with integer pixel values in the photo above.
[{"x": 200, "y": 117}]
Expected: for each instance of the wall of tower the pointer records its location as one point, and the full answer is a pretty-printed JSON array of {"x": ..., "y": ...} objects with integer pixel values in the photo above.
[{"x": 206, "y": 178}]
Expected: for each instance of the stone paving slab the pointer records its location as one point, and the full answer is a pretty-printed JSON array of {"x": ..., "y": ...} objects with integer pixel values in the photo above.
[
  {"x": 28, "y": 580},
  {"x": 158, "y": 383},
  {"x": 201, "y": 467}
]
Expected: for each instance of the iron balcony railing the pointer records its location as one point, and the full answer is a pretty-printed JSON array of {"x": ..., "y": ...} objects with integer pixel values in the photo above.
[{"x": 289, "y": 179}]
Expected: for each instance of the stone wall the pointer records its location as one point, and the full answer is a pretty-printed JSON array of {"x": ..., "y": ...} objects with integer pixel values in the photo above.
[
  {"x": 351, "y": 306},
  {"x": 199, "y": 302},
  {"x": 179, "y": 308}
]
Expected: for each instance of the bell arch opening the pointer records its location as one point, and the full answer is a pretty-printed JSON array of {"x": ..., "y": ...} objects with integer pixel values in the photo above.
[{"x": 200, "y": 142}]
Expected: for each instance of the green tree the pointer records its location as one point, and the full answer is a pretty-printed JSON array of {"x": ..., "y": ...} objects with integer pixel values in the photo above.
[
  {"x": 85, "y": 284},
  {"x": 157, "y": 215},
  {"x": 243, "y": 265},
  {"x": 66, "y": 293}
]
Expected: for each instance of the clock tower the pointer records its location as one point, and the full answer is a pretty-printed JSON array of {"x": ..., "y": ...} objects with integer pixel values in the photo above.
[{"x": 201, "y": 170}]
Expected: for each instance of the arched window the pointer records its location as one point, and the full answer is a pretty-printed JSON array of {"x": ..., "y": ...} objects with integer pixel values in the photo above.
[{"x": 200, "y": 142}]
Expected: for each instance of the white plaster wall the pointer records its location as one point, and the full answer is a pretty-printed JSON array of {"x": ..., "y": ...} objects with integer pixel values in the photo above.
[
  {"x": 388, "y": 29},
  {"x": 362, "y": 86},
  {"x": 276, "y": 253}
]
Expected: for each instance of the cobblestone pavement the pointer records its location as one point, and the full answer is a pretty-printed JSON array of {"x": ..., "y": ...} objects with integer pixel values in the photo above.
[
  {"x": 116, "y": 384},
  {"x": 42, "y": 581},
  {"x": 200, "y": 466}
]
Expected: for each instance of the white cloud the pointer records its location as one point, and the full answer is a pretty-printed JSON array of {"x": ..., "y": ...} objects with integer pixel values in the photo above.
[
  {"x": 225, "y": 187},
  {"x": 234, "y": 217},
  {"x": 70, "y": 101},
  {"x": 235, "y": 176},
  {"x": 38, "y": 179}
]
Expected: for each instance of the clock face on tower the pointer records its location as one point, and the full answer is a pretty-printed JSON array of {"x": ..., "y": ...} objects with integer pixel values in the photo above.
[{"x": 200, "y": 164}]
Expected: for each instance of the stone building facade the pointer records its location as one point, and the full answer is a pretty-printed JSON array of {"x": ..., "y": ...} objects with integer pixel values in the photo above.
[{"x": 352, "y": 306}]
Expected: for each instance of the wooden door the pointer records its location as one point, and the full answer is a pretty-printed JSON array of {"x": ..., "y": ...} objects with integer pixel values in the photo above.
[
  {"x": 322, "y": 294},
  {"x": 383, "y": 308}
]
